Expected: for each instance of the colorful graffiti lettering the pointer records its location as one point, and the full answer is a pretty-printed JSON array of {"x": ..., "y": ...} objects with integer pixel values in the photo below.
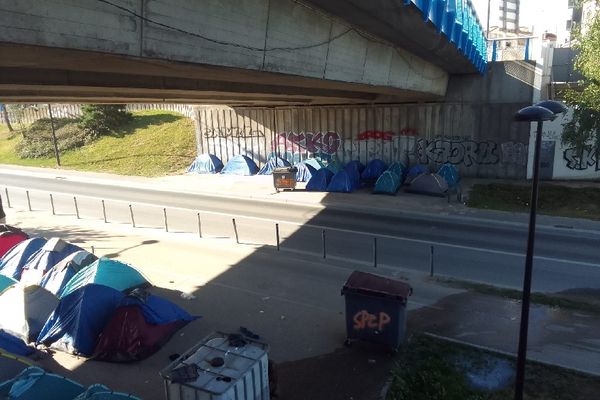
[
  {"x": 465, "y": 152},
  {"x": 581, "y": 160},
  {"x": 325, "y": 143},
  {"x": 385, "y": 135},
  {"x": 365, "y": 320}
]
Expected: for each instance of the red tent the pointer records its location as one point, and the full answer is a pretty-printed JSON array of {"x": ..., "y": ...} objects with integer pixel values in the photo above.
[
  {"x": 128, "y": 337},
  {"x": 10, "y": 236}
]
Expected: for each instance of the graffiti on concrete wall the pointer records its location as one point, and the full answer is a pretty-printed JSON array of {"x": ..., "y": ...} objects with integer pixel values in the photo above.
[
  {"x": 514, "y": 153},
  {"x": 232, "y": 132},
  {"x": 314, "y": 143},
  {"x": 581, "y": 160},
  {"x": 465, "y": 152}
]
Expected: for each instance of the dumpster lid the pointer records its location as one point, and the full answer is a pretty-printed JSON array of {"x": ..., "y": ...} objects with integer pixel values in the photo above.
[
  {"x": 375, "y": 285},
  {"x": 285, "y": 169}
]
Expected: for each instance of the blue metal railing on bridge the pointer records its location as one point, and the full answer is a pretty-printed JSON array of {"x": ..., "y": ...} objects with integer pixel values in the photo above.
[{"x": 458, "y": 21}]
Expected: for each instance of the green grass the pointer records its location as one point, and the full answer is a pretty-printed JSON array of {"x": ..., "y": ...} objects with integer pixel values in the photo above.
[
  {"x": 554, "y": 199},
  {"x": 431, "y": 369},
  {"x": 154, "y": 143}
]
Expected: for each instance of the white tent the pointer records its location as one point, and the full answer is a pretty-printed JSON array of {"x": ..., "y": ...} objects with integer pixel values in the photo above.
[{"x": 25, "y": 309}]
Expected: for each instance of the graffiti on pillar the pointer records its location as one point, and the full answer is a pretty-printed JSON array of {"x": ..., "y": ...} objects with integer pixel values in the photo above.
[
  {"x": 581, "y": 160},
  {"x": 514, "y": 153},
  {"x": 320, "y": 142},
  {"x": 232, "y": 132},
  {"x": 466, "y": 152}
]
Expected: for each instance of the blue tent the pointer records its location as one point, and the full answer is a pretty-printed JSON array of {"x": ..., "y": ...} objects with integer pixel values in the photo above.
[
  {"x": 107, "y": 272},
  {"x": 240, "y": 165},
  {"x": 450, "y": 175},
  {"x": 320, "y": 180},
  {"x": 58, "y": 276},
  {"x": 272, "y": 163},
  {"x": 34, "y": 383},
  {"x": 400, "y": 170},
  {"x": 316, "y": 164},
  {"x": 11, "y": 264},
  {"x": 6, "y": 282},
  {"x": 354, "y": 169},
  {"x": 53, "y": 252},
  {"x": 13, "y": 344},
  {"x": 157, "y": 310},
  {"x": 206, "y": 164},
  {"x": 305, "y": 172},
  {"x": 388, "y": 183},
  {"x": 334, "y": 165},
  {"x": 79, "y": 319},
  {"x": 342, "y": 182},
  {"x": 415, "y": 171},
  {"x": 11, "y": 365},
  {"x": 373, "y": 171}
]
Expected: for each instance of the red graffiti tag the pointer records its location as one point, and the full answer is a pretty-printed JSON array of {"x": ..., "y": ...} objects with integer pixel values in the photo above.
[
  {"x": 363, "y": 320},
  {"x": 385, "y": 135}
]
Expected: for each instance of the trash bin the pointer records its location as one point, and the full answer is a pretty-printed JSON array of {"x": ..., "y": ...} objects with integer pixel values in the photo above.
[
  {"x": 375, "y": 309},
  {"x": 220, "y": 367},
  {"x": 284, "y": 178}
]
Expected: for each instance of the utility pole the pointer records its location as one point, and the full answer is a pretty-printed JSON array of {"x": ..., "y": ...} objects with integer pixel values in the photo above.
[
  {"x": 487, "y": 35},
  {"x": 54, "y": 135}
]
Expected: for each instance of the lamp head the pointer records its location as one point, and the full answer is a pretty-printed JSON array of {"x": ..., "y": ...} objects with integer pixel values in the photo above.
[
  {"x": 533, "y": 114},
  {"x": 555, "y": 106}
]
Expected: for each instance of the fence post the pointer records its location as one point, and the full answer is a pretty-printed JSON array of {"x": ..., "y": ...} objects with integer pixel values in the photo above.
[
  {"x": 277, "y": 235},
  {"x": 7, "y": 198},
  {"x": 131, "y": 213},
  {"x": 52, "y": 204},
  {"x": 166, "y": 221},
  {"x": 431, "y": 261},
  {"x": 28, "y": 200},
  {"x": 324, "y": 244},
  {"x": 237, "y": 238},
  {"x": 76, "y": 207},
  {"x": 375, "y": 252},
  {"x": 199, "y": 226},
  {"x": 104, "y": 211},
  {"x": 93, "y": 250}
]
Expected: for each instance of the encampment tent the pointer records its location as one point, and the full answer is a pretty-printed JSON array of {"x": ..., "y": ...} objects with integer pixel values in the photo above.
[
  {"x": 240, "y": 165},
  {"x": 14, "y": 345},
  {"x": 400, "y": 170},
  {"x": 450, "y": 175},
  {"x": 11, "y": 365},
  {"x": 415, "y": 171},
  {"x": 9, "y": 237},
  {"x": 206, "y": 164},
  {"x": 25, "y": 309},
  {"x": 305, "y": 172},
  {"x": 80, "y": 317},
  {"x": 58, "y": 276},
  {"x": 429, "y": 184},
  {"x": 138, "y": 328},
  {"x": 343, "y": 182},
  {"x": 11, "y": 264},
  {"x": 334, "y": 165},
  {"x": 272, "y": 163},
  {"x": 315, "y": 163},
  {"x": 53, "y": 252},
  {"x": 373, "y": 171},
  {"x": 320, "y": 180},
  {"x": 107, "y": 272},
  {"x": 34, "y": 383},
  {"x": 388, "y": 183},
  {"x": 354, "y": 169},
  {"x": 101, "y": 392},
  {"x": 6, "y": 282}
]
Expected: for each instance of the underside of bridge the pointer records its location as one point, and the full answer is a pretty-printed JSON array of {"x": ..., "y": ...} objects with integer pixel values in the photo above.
[{"x": 235, "y": 52}]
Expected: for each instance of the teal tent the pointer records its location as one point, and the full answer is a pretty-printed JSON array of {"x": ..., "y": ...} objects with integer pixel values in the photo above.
[
  {"x": 388, "y": 183},
  {"x": 34, "y": 383},
  {"x": 400, "y": 170},
  {"x": 316, "y": 164},
  {"x": 6, "y": 282},
  {"x": 101, "y": 392},
  {"x": 450, "y": 175},
  {"x": 107, "y": 272}
]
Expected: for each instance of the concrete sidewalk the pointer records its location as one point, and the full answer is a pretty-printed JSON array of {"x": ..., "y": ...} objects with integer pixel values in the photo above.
[
  {"x": 260, "y": 188},
  {"x": 293, "y": 301}
]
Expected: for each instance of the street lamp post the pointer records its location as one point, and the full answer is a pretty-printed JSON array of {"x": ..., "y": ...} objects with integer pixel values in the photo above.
[{"x": 544, "y": 111}]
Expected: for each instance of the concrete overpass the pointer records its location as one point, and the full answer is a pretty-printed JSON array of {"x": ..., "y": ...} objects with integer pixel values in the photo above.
[{"x": 236, "y": 51}]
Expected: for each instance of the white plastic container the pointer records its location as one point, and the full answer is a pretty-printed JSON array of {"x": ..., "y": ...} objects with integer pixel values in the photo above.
[{"x": 243, "y": 376}]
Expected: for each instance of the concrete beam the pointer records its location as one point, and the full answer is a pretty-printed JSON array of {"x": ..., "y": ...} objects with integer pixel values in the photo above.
[{"x": 282, "y": 38}]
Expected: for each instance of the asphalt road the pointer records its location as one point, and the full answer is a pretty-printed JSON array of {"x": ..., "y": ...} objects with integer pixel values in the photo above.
[{"x": 483, "y": 250}]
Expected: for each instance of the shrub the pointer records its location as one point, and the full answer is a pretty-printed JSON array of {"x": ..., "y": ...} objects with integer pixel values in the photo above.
[
  {"x": 37, "y": 138},
  {"x": 102, "y": 119}
]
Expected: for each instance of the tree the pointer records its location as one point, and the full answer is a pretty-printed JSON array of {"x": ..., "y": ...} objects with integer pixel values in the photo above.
[
  {"x": 101, "y": 119},
  {"x": 583, "y": 132},
  {"x": 5, "y": 116}
]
